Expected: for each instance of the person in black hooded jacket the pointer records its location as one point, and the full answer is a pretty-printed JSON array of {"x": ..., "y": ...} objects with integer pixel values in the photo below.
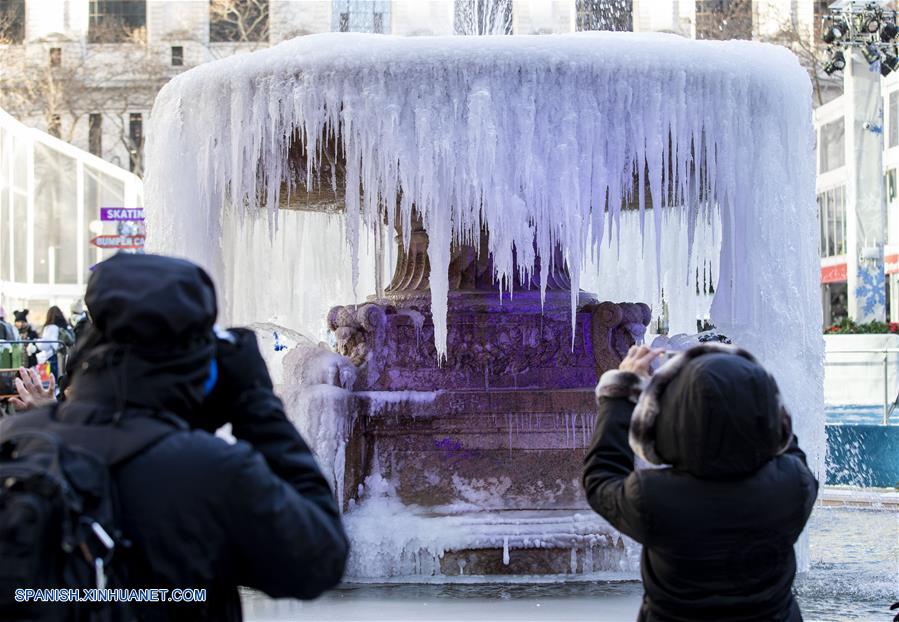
[
  {"x": 200, "y": 513},
  {"x": 719, "y": 521}
]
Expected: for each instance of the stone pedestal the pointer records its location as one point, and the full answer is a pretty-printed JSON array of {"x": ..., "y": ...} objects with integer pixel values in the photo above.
[{"x": 497, "y": 432}]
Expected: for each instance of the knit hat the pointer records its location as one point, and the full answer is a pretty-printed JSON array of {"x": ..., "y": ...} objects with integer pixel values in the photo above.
[
  {"x": 2, "y": 313},
  {"x": 21, "y": 316},
  {"x": 77, "y": 307}
]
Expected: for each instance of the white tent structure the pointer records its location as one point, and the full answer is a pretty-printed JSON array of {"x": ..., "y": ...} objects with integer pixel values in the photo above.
[{"x": 50, "y": 198}]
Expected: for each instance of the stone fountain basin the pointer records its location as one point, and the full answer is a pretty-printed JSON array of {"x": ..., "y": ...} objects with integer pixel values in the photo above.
[{"x": 422, "y": 542}]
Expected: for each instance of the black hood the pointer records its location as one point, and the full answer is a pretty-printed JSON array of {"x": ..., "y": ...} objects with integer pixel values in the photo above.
[
  {"x": 151, "y": 343},
  {"x": 713, "y": 412},
  {"x": 151, "y": 301}
]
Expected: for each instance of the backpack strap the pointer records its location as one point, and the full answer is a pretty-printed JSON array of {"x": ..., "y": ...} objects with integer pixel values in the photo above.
[{"x": 113, "y": 441}]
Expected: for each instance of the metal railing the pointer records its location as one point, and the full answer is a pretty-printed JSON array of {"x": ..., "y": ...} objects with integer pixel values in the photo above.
[{"x": 889, "y": 402}]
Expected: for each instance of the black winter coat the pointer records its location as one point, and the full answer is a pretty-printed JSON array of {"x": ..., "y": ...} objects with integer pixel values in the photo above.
[
  {"x": 202, "y": 513},
  {"x": 717, "y": 540}
]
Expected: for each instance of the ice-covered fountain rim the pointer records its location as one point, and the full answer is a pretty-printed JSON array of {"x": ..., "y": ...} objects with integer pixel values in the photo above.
[{"x": 525, "y": 152}]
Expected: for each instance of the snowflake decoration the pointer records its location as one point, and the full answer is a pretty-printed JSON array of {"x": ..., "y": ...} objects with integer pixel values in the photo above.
[{"x": 870, "y": 290}]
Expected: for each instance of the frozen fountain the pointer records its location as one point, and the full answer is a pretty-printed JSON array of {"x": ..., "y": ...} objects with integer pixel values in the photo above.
[
  {"x": 454, "y": 403},
  {"x": 479, "y": 452}
]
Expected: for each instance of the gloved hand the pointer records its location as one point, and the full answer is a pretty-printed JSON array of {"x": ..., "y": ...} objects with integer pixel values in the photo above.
[{"x": 240, "y": 369}]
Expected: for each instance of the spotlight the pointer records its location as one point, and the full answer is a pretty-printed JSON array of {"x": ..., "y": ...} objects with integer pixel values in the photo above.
[
  {"x": 888, "y": 32},
  {"x": 889, "y": 64},
  {"x": 836, "y": 63},
  {"x": 839, "y": 61},
  {"x": 834, "y": 31},
  {"x": 871, "y": 24},
  {"x": 871, "y": 53}
]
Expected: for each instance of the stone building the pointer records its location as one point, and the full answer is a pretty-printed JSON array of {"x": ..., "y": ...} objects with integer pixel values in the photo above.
[{"x": 88, "y": 70}]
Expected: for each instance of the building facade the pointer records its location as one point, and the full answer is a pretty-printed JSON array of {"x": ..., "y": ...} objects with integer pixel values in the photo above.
[
  {"x": 843, "y": 188},
  {"x": 88, "y": 71}
]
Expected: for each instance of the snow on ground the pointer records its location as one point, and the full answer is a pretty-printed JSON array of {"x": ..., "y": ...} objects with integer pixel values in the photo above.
[{"x": 852, "y": 579}]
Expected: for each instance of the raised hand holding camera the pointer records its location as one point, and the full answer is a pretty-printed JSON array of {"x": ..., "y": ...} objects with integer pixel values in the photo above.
[{"x": 238, "y": 367}]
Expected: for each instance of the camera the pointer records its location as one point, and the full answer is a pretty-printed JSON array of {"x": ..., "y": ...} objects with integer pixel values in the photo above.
[{"x": 8, "y": 382}]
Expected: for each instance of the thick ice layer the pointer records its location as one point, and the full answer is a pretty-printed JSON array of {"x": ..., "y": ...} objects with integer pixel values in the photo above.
[
  {"x": 683, "y": 289},
  {"x": 533, "y": 137},
  {"x": 317, "y": 398},
  {"x": 418, "y": 539}
]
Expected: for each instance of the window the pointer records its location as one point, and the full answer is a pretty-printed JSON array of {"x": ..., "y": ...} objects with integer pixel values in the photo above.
[
  {"x": 12, "y": 21},
  {"x": 136, "y": 140},
  {"x": 360, "y": 15},
  {"x": 56, "y": 57},
  {"x": 53, "y": 125},
  {"x": 238, "y": 21},
  {"x": 832, "y": 146},
  {"x": 832, "y": 220},
  {"x": 605, "y": 15},
  {"x": 177, "y": 56},
  {"x": 117, "y": 21},
  {"x": 95, "y": 133},
  {"x": 482, "y": 17},
  {"x": 894, "y": 119},
  {"x": 820, "y": 8},
  {"x": 724, "y": 19}
]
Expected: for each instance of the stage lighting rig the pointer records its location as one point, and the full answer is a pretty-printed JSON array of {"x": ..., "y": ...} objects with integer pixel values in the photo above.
[{"x": 868, "y": 26}]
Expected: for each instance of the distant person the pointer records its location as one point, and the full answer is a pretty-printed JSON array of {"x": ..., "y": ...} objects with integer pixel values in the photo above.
[
  {"x": 56, "y": 336},
  {"x": 79, "y": 321},
  {"x": 26, "y": 333},
  {"x": 199, "y": 512},
  {"x": 23, "y": 326},
  {"x": 7, "y": 330},
  {"x": 719, "y": 522}
]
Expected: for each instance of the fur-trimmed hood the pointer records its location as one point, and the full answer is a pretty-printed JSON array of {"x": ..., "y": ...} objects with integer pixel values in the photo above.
[{"x": 712, "y": 411}]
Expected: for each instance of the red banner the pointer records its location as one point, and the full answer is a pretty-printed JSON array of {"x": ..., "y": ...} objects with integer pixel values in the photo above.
[
  {"x": 833, "y": 274},
  {"x": 891, "y": 264}
]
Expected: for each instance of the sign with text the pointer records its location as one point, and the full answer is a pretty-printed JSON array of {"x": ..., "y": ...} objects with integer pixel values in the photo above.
[
  {"x": 118, "y": 241},
  {"x": 121, "y": 213}
]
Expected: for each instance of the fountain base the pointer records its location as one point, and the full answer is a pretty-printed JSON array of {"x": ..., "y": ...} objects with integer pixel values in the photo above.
[{"x": 472, "y": 465}]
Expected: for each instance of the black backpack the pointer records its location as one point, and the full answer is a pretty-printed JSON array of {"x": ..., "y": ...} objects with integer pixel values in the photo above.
[
  {"x": 67, "y": 336},
  {"x": 58, "y": 527}
]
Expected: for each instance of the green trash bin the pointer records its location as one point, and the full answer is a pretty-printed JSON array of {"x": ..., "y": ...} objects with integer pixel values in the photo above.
[{"x": 12, "y": 356}]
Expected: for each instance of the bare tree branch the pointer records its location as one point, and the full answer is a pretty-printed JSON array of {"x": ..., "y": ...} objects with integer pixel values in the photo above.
[
  {"x": 91, "y": 78},
  {"x": 239, "y": 21}
]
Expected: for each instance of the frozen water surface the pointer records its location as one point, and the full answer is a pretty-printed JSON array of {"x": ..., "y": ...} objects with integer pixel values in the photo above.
[{"x": 854, "y": 577}]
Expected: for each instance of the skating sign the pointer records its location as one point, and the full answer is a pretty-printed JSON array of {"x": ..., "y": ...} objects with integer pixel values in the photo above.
[
  {"x": 121, "y": 213},
  {"x": 118, "y": 241}
]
